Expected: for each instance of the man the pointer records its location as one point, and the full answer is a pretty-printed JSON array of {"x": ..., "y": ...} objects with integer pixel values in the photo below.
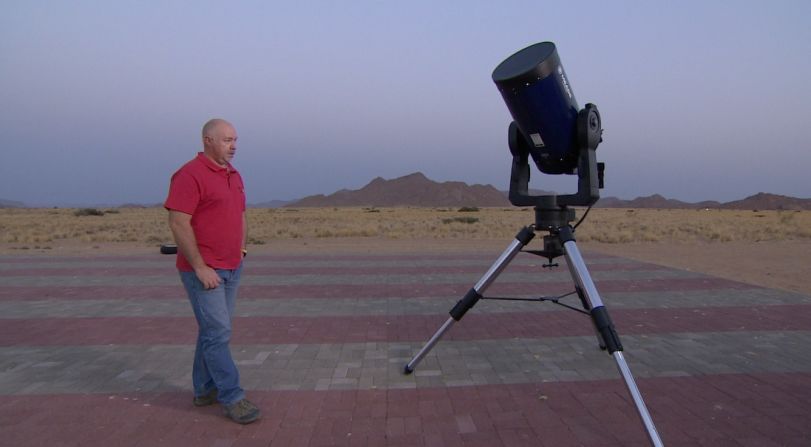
[{"x": 206, "y": 205}]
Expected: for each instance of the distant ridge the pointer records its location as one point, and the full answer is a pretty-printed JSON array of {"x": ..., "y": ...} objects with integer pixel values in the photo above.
[
  {"x": 419, "y": 191},
  {"x": 11, "y": 204},
  {"x": 270, "y": 204},
  {"x": 410, "y": 190},
  {"x": 759, "y": 201},
  {"x": 654, "y": 201},
  {"x": 766, "y": 201}
]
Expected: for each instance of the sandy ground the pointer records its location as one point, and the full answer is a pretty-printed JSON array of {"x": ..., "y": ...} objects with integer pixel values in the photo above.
[
  {"x": 782, "y": 265},
  {"x": 779, "y": 265}
]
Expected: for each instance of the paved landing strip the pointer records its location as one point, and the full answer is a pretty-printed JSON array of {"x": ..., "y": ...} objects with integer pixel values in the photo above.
[{"x": 96, "y": 351}]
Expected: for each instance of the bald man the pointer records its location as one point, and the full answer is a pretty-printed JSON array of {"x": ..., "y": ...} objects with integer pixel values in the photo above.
[{"x": 206, "y": 205}]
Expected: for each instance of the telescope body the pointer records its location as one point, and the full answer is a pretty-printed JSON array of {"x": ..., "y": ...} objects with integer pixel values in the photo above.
[{"x": 540, "y": 99}]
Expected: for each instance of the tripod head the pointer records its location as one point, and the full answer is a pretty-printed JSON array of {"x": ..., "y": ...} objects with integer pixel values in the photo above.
[
  {"x": 589, "y": 171},
  {"x": 552, "y": 210}
]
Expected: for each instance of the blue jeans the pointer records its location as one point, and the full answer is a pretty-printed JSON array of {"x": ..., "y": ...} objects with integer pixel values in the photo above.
[{"x": 213, "y": 308}]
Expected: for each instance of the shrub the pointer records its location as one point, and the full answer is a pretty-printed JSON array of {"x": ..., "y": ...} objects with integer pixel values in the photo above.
[
  {"x": 88, "y": 212},
  {"x": 467, "y": 220},
  {"x": 468, "y": 209}
]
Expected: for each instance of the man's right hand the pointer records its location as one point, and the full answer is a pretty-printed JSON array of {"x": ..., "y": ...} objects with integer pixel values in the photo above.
[{"x": 208, "y": 277}]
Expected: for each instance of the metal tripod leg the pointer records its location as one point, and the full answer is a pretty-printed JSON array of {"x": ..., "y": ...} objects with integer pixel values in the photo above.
[
  {"x": 475, "y": 294},
  {"x": 605, "y": 327}
]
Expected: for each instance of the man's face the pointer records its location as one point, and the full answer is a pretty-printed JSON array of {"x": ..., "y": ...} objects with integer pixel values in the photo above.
[{"x": 221, "y": 144}]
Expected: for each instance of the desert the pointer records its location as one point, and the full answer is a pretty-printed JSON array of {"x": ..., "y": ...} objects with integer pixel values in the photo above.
[{"x": 771, "y": 248}]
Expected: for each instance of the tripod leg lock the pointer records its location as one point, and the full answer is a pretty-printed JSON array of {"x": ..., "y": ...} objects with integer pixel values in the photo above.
[
  {"x": 462, "y": 306},
  {"x": 566, "y": 234},
  {"x": 606, "y": 329},
  {"x": 525, "y": 235}
]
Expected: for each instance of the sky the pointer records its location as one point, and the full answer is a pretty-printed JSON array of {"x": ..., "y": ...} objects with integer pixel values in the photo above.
[{"x": 100, "y": 101}]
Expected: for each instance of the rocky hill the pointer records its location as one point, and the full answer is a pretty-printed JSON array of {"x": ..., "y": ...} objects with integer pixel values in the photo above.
[
  {"x": 411, "y": 190},
  {"x": 653, "y": 201},
  {"x": 270, "y": 204},
  {"x": 766, "y": 201},
  {"x": 759, "y": 201},
  {"x": 419, "y": 191},
  {"x": 11, "y": 204}
]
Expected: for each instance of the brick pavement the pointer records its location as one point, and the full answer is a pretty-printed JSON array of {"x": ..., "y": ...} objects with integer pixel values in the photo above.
[{"x": 97, "y": 351}]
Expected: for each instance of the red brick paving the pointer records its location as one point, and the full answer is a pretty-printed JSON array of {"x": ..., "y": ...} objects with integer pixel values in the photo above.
[
  {"x": 397, "y": 328},
  {"x": 18, "y": 293},
  {"x": 689, "y": 411},
  {"x": 761, "y": 409},
  {"x": 377, "y": 270},
  {"x": 279, "y": 258}
]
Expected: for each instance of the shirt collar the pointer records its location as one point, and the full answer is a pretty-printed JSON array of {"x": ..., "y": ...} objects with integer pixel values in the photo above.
[{"x": 213, "y": 166}]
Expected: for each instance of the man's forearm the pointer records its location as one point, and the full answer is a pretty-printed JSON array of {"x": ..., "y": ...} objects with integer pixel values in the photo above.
[
  {"x": 180, "y": 224},
  {"x": 187, "y": 243},
  {"x": 244, "y": 231}
]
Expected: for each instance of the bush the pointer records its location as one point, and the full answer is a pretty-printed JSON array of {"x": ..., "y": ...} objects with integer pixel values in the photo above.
[
  {"x": 88, "y": 212},
  {"x": 467, "y": 220},
  {"x": 468, "y": 209}
]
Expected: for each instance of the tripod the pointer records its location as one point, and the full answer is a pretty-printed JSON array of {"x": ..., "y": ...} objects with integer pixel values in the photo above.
[{"x": 559, "y": 241}]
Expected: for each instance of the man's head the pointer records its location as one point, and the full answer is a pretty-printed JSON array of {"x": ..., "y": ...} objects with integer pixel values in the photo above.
[{"x": 219, "y": 141}]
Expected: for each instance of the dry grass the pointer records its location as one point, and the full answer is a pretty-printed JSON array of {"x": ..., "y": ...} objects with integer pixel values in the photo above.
[{"x": 42, "y": 228}]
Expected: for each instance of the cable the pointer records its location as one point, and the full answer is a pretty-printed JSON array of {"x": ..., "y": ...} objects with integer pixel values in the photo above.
[{"x": 582, "y": 218}]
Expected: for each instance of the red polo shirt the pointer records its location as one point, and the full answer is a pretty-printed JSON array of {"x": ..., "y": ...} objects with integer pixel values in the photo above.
[{"x": 215, "y": 198}]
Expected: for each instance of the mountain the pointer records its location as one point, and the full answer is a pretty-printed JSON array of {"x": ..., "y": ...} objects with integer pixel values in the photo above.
[
  {"x": 417, "y": 190},
  {"x": 11, "y": 204},
  {"x": 270, "y": 204},
  {"x": 410, "y": 190},
  {"x": 653, "y": 201},
  {"x": 759, "y": 201},
  {"x": 766, "y": 201}
]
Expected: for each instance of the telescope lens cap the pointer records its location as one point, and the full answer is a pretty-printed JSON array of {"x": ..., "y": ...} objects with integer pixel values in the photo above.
[{"x": 530, "y": 64}]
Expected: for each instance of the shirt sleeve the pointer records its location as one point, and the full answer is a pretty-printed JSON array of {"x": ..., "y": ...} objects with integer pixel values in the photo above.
[
  {"x": 184, "y": 193},
  {"x": 244, "y": 196}
]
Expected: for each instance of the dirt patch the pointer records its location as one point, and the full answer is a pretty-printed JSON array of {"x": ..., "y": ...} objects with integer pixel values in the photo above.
[{"x": 782, "y": 265}]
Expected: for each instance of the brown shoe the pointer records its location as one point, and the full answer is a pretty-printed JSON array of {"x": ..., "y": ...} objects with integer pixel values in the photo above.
[
  {"x": 243, "y": 412},
  {"x": 206, "y": 399}
]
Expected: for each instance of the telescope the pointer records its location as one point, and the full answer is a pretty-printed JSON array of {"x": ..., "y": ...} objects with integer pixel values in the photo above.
[
  {"x": 549, "y": 126},
  {"x": 561, "y": 138}
]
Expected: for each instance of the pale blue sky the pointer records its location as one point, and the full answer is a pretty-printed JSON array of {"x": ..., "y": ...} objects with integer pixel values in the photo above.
[{"x": 103, "y": 100}]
